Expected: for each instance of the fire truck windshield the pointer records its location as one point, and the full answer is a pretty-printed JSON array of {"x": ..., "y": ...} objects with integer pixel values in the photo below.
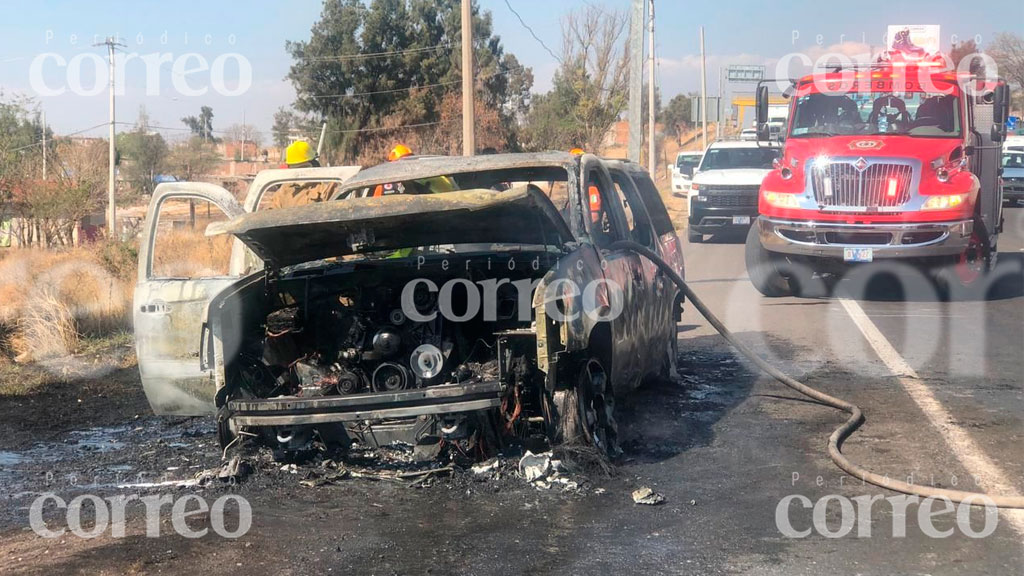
[{"x": 922, "y": 114}]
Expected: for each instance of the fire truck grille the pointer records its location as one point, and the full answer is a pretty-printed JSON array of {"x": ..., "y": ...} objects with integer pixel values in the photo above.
[{"x": 846, "y": 185}]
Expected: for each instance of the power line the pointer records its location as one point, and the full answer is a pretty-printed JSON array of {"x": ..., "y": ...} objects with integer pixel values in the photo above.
[
  {"x": 348, "y": 131},
  {"x": 391, "y": 91},
  {"x": 385, "y": 128},
  {"x": 349, "y": 57},
  {"x": 530, "y": 30},
  {"x": 406, "y": 89},
  {"x": 40, "y": 143}
]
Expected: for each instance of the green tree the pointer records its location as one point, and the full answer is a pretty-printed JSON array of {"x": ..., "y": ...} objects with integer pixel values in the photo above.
[
  {"x": 75, "y": 176},
  {"x": 202, "y": 125},
  {"x": 143, "y": 154},
  {"x": 21, "y": 137},
  {"x": 281, "y": 131},
  {"x": 676, "y": 115},
  {"x": 394, "y": 63}
]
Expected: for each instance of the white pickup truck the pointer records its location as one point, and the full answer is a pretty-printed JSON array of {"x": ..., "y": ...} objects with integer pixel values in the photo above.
[
  {"x": 724, "y": 190},
  {"x": 682, "y": 171}
]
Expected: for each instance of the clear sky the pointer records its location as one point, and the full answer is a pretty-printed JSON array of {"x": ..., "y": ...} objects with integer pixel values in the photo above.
[{"x": 46, "y": 32}]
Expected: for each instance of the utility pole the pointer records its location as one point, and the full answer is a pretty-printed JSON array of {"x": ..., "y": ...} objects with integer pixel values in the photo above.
[
  {"x": 651, "y": 118},
  {"x": 44, "y": 143},
  {"x": 721, "y": 95},
  {"x": 468, "y": 114},
  {"x": 703, "y": 93},
  {"x": 636, "y": 80},
  {"x": 111, "y": 43}
]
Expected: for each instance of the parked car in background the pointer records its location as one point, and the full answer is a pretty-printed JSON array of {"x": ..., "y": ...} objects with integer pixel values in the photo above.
[
  {"x": 725, "y": 187},
  {"x": 748, "y": 135},
  {"x": 682, "y": 171},
  {"x": 1014, "y": 144},
  {"x": 1013, "y": 177}
]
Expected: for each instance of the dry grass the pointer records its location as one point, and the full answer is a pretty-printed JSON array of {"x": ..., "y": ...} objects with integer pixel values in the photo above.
[
  {"x": 188, "y": 253},
  {"x": 49, "y": 300},
  {"x": 46, "y": 329}
]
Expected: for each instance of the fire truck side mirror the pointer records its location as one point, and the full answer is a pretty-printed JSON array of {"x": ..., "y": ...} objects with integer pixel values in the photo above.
[
  {"x": 1000, "y": 110},
  {"x": 762, "y": 112}
]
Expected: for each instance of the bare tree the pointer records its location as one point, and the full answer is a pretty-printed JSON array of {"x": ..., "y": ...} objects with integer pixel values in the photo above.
[
  {"x": 192, "y": 160},
  {"x": 595, "y": 62},
  {"x": 1007, "y": 49},
  {"x": 243, "y": 132}
]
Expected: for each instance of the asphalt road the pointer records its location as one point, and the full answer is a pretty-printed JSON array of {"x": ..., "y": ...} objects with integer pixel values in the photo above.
[
  {"x": 940, "y": 383},
  {"x": 957, "y": 424}
]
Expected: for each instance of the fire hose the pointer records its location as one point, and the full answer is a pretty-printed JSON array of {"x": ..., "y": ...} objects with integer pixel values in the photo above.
[{"x": 856, "y": 419}]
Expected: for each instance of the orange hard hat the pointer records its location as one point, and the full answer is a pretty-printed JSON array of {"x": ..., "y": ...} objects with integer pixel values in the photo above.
[
  {"x": 576, "y": 152},
  {"x": 399, "y": 152}
]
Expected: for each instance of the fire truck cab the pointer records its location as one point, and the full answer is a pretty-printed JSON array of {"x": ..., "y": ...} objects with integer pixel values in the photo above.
[{"x": 893, "y": 160}]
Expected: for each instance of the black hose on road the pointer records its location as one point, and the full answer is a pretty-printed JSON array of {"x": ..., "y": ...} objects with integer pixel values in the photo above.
[{"x": 835, "y": 441}]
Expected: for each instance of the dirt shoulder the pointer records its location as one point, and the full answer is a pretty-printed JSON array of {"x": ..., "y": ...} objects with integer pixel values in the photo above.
[{"x": 98, "y": 387}]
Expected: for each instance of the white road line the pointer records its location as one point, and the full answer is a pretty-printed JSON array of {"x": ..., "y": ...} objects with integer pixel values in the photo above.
[{"x": 990, "y": 478}]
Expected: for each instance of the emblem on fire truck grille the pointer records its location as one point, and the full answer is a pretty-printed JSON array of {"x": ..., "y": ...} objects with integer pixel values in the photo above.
[{"x": 861, "y": 185}]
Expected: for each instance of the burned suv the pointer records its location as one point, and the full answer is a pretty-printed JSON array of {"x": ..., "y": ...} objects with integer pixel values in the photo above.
[{"x": 467, "y": 301}]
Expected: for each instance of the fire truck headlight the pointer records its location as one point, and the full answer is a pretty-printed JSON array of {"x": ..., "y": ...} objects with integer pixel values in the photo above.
[
  {"x": 782, "y": 199},
  {"x": 944, "y": 202}
]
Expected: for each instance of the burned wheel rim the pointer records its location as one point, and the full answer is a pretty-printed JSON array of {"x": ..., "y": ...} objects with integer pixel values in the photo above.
[{"x": 596, "y": 407}]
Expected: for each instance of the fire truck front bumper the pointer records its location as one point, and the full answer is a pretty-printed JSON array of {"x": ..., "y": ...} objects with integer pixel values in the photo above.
[{"x": 887, "y": 240}]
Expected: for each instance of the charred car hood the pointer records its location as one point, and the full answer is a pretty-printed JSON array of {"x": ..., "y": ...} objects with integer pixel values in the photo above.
[{"x": 288, "y": 236}]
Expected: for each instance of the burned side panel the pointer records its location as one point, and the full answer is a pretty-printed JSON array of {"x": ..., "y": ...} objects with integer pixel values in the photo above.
[{"x": 168, "y": 317}]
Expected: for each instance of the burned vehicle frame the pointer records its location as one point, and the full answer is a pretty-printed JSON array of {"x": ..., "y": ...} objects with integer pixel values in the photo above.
[{"x": 489, "y": 313}]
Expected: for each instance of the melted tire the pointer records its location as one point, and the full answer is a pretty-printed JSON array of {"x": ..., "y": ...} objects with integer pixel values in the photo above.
[{"x": 587, "y": 411}]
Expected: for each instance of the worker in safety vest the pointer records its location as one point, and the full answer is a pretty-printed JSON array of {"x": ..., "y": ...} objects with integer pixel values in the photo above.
[
  {"x": 435, "y": 185},
  {"x": 300, "y": 154}
]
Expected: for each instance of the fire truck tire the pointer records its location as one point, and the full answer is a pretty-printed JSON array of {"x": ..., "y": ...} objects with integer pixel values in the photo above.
[
  {"x": 963, "y": 279},
  {"x": 762, "y": 267},
  {"x": 952, "y": 286}
]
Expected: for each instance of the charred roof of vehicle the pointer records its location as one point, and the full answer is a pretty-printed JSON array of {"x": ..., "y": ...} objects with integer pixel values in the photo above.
[
  {"x": 533, "y": 165},
  {"x": 288, "y": 236}
]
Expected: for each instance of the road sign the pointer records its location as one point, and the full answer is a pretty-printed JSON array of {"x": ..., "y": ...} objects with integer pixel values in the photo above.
[
  {"x": 744, "y": 73},
  {"x": 695, "y": 115}
]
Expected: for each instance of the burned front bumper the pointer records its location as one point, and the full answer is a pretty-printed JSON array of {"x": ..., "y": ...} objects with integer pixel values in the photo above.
[
  {"x": 887, "y": 240},
  {"x": 433, "y": 400}
]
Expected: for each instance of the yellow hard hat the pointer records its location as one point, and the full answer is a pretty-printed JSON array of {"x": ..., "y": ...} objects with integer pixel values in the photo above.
[
  {"x": 398, "y": 152},
  {"x": 298, "y": 152}
]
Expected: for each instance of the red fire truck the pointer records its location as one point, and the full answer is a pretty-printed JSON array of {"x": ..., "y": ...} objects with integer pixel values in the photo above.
[{"x": 894, "y": 160}]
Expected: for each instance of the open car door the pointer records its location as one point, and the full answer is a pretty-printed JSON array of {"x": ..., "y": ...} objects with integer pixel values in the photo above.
[
  {"x": 268, "y": 184},
  {"x": 180, "y": 271}
]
